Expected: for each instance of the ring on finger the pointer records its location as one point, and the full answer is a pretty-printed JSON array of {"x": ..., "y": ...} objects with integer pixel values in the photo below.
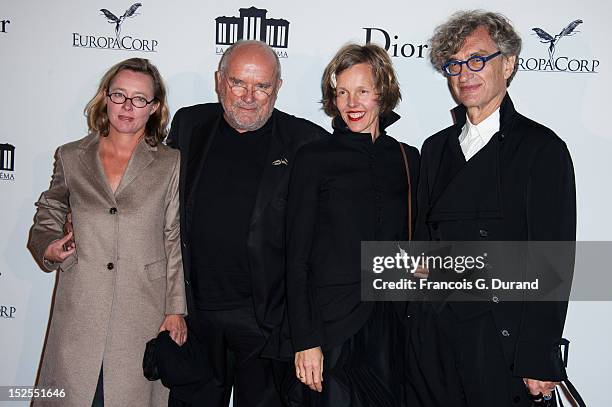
[{"x": 535, "y": 396}]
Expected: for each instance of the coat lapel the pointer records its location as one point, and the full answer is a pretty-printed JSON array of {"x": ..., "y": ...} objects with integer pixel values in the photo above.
[
  {"x": 451, "y": 163},
  {"x": 473, "y": 191},
  {"x": 276, "y": 166},
  {"x": 89, "y": 157},
  {"x": 142, "y": 157},
  {"x": 468, "y": 189}
]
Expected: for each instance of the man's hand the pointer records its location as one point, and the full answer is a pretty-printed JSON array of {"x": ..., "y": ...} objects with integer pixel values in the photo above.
[
  {"x": 309, "y": 368},
  {"x": 58, "y": 250},
  {"x": 176, "y": 326},
  {"x": 68, "y": 229},
  {"x": 536, "y": 387}
]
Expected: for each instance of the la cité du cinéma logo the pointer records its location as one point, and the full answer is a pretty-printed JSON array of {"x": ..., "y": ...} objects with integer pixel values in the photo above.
[
  {"x": 7, "y": 162},
  {"x": 252, "y": 24}
]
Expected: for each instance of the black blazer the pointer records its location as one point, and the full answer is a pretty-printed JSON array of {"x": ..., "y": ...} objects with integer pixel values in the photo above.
[
  {"x": 519, "y": 187},
  {"x": 192, "y": 131}
]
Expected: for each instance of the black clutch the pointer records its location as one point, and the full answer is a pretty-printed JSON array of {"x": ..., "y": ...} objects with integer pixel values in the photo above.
[{"x": 149, "y": 361}]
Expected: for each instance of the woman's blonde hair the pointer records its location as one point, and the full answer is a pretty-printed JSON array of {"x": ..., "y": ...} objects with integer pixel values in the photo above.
[
  {"x": 385, "y": 79},
  {"x": 156, "y": 128}
]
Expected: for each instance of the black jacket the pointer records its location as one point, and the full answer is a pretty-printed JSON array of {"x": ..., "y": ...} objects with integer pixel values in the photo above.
[
  {"x": 519, "y": 187},
  {"x": 343, "y": 190},
  {"x": 192, "y": 131}
]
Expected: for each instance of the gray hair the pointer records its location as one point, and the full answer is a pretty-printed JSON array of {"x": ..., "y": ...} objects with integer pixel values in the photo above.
[
  {"x": 449, "y": 37},
  {"x": 241, "y": 43}
]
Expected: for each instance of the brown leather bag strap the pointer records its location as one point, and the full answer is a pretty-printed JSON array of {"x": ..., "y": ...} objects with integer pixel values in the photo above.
[{"x": 409, "y": 190}]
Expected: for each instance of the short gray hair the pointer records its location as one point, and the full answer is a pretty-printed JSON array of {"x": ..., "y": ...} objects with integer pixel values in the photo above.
[
  {"x": 241, "y": 43},
  {"x": 449, "y": 37}
]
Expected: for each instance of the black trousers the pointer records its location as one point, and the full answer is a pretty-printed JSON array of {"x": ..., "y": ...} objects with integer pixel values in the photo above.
[
  {"x": 460, "y": 363},
  {"x": 228, "y": 354}
]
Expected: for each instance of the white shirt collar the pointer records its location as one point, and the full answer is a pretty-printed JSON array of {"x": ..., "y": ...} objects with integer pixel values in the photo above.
[{"x": 475, "y": 136}]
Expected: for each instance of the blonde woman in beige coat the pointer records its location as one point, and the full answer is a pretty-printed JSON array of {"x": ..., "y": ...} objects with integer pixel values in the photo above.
[{"x": 120, "y": 278}]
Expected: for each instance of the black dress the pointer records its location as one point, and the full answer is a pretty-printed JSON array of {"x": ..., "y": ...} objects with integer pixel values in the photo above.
[{"x": 344, "y": 190}]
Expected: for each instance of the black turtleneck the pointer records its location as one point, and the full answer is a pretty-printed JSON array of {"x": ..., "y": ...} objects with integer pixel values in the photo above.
[
  {"x": 225, "y": 196},
  {"x": 343, "y": 190}
]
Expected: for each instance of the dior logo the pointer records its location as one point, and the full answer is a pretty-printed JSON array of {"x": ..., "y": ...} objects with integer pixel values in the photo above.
[{"x": 406, "y": 50}]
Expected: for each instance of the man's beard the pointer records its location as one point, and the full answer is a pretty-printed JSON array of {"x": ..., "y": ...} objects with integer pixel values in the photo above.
[{"x": 233, "y": 116}]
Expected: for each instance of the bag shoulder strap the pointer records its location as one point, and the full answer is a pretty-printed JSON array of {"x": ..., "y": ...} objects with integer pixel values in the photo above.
[{"x": 409, "y": 189}]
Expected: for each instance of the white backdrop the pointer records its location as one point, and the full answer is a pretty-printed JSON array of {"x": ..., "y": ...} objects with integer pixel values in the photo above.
[{"x": 50, "y": 67}]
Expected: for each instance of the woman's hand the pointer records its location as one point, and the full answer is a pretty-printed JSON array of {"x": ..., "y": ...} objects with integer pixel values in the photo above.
[
  {"x": 421, "y": 272},
  {"x": 542, "y": 388},
  {"x": 58, "y": 250},
  {"x": 176, "y": 326},
  {"x": 309, "y": 368}
]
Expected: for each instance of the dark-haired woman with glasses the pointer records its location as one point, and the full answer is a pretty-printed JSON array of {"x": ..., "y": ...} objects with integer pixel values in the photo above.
[{"x": 120, "y": 278}]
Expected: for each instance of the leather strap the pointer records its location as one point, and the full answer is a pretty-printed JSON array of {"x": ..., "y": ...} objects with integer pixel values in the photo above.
[
  {"x": 409, "y": 190},
  {"x": 569, "y": 391}
]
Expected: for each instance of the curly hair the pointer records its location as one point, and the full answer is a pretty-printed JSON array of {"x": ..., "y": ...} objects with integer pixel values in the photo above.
[
  {"x": 156, "y": 128},
  {"x": 385, "y": 79},
  {"x": 449, "y": 37}
]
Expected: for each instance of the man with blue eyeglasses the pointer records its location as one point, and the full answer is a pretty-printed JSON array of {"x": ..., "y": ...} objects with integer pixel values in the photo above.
[{"x": 494, "y": 175}]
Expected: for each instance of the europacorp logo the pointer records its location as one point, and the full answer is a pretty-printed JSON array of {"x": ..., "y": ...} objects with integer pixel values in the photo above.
[
  {"x": 557, "y": 59},
  {"x": 4, "y": 26},
  {"x": 118, "y": 41},
  {"x": 8, "y": 311}
]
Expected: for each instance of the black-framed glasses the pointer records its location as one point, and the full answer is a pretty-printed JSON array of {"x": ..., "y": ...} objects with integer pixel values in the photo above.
[
  {"x": 475, "y": 63},
  {"x": 261, "y": 91},
  {"x": 136, "y": 101}
]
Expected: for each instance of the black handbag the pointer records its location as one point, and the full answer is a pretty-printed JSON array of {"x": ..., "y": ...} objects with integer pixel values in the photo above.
[{"x": 149, "y": 361}]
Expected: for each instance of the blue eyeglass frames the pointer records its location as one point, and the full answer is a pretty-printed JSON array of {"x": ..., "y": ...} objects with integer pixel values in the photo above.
[{"x": 474, "y": 64}]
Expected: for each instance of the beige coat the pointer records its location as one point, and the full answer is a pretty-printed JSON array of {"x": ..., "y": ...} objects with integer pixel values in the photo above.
[{"x": 126, "y": 275}]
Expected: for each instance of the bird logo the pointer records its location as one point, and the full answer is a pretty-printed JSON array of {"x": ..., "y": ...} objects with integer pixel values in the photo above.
[
  {"x": 113, "y": 19},
  {"x": 546, "y": 38}
]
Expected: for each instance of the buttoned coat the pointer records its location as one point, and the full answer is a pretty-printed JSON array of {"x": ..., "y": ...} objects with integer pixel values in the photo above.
[
  {"x": 126, "y": 275},
  {"x": 519, "y": 187}
]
